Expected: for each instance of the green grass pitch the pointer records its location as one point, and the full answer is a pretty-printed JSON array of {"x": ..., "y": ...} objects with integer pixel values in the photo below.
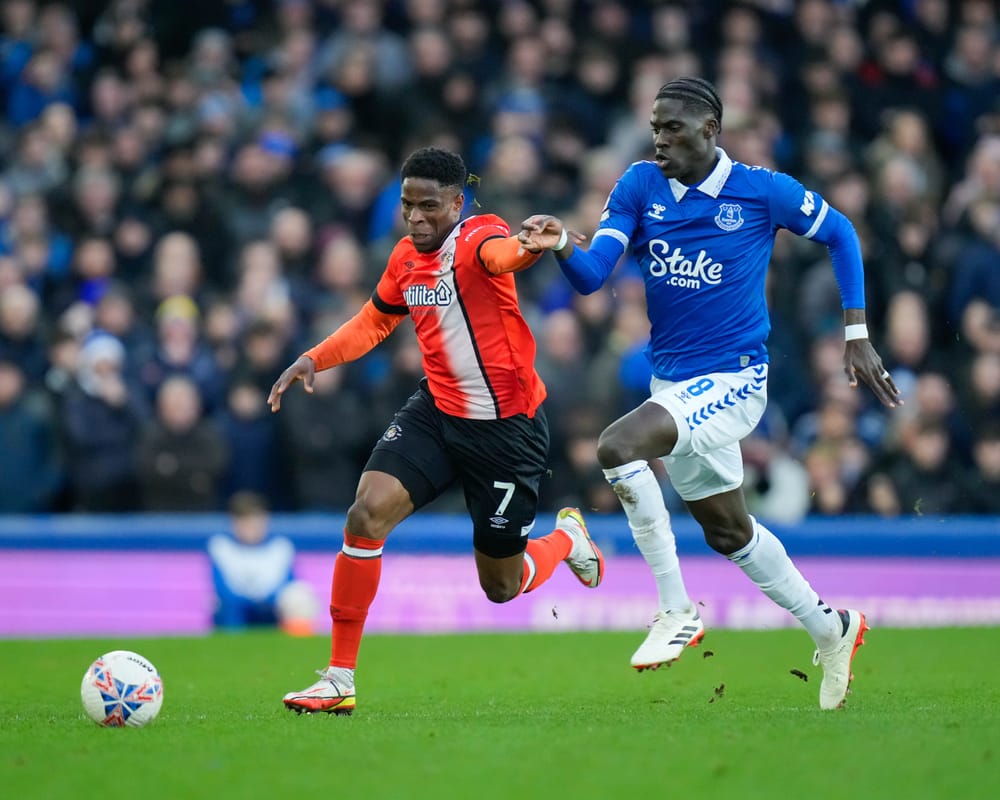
[{"x": 515, "y": 716}]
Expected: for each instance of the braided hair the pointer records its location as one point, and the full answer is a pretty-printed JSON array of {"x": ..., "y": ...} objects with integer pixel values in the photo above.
[
  {"x": 439, "y": 165},
  {"x": 693, "y": 93}
]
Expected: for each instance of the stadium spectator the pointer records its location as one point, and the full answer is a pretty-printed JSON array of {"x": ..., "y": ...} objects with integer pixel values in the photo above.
[
  {"x": 922, "y": 477},
  {"x": 137, "y": 122},
  {"x": 38, "y": 166},
  {"x": 475, "y": 420},
  {"x": 709, "y": 379},
  {"x": 263, "y": 354},
  {"x": 292, "y": 235},
  {"x": 177, "y": 271},
  {"x": 181, "y": 350},
  {"x": 115, "y": 313},
  {"x": 28, "y": 230},
  {"x": 181, "y": 457},
  {"x": 776, "y": 484},
  {"x": 340, "y": 281},
  {"x": 21, "y": 331},
  {"x": 981, "y": 484},
  {"x": 29, "y": 458},
  {"x": 252, "y": 442},
  {"x": 93, "y": 270},
  {"x": 102, "y": 413},
  {"x": 829, "y": 488},
  {"x": 253, "y": 573},
  {"x": 324, "y": 436},
  {"x": 979, "y": 388}
]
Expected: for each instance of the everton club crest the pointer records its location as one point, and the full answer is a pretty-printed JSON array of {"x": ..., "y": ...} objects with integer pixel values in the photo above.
[{"x": 730, "y": 216}]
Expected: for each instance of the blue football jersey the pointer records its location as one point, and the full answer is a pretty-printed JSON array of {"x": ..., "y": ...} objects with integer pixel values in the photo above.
[{"x": 703, "y": 252}]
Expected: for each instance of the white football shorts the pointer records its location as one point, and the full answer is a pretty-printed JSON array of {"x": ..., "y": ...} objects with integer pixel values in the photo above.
[{"x": 713, "y": 413}]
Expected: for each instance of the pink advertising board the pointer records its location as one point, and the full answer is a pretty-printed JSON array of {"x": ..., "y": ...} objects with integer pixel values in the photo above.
[{"x": 50, "y": 593}]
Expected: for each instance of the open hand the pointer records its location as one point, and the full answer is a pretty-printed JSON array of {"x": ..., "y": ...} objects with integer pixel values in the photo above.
[
  {"x": 303, "y": 369},
  {"x": 861, "y": 361},
  {"x": 542, "y": 232}
]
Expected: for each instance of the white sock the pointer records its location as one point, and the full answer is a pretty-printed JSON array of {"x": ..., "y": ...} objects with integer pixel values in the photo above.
[
  {"x": 766, "y": 563},
  {"x": 642, "y": 499}
]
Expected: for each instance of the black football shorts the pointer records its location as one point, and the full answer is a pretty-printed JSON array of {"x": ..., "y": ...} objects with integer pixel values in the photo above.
[{"x": 499, "y": 464}]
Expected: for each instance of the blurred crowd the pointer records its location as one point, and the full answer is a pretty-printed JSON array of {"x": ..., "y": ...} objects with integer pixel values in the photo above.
[{"x": 191, "y": 194}]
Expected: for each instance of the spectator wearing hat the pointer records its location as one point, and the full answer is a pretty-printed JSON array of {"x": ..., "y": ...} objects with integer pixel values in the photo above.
[
  {"x": 181, "y": 350},
  {"x": 101, "y": 415}
]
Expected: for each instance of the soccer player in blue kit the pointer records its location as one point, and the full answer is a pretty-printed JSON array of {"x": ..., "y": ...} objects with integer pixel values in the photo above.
[{"x": 702, "y": 229}]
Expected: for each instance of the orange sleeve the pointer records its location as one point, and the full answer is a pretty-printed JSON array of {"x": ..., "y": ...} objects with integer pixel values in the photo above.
[
  {"x": 505, "y": 254},
  {"x": 354, "y": 338}
]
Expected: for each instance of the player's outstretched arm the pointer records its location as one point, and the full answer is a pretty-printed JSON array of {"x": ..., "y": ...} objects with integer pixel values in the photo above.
[
  {"x": 349, "y": 342},
  {"x": 545, "y": 232},
  {"x": 586, "y": 270},
  {"x": 503, "y": 255}
]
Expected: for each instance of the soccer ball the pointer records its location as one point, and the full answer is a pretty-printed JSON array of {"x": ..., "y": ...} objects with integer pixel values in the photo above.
[{"x": 122, "y": 689}]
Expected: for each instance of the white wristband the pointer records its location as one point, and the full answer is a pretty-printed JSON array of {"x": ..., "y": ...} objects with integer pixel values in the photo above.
[
  {"x": 563, "y": 239},
  {"x": 857, "y": 331}
]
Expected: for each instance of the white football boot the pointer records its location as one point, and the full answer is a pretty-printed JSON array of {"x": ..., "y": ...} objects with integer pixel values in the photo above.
[
  {"x": 836, "y": 661},
  {"x": 333, "y": 693},
  {"x": 670, "y": 633}
]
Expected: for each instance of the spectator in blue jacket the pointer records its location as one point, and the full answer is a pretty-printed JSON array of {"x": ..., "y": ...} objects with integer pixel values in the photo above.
[
  {"x": 250, "y": 567},
  {"x": 28, "y": 456}
]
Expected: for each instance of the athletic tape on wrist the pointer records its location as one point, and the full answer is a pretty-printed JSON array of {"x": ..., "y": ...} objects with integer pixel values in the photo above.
[
  {"x": 563, "y": 239},
  {"x": 857, "y": 331}
]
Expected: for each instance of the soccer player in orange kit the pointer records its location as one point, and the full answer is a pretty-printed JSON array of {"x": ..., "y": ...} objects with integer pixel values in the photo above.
[{"x": 475, "y": 418}]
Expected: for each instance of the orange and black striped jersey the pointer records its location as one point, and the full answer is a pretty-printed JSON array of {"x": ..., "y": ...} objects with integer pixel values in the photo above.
[{"x": 478, "y": 352}]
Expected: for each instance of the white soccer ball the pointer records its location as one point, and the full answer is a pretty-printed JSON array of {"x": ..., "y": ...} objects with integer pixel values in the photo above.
[{"x": 122, "y": 689}]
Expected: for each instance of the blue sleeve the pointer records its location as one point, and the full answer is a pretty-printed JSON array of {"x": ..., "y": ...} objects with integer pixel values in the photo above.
[
  {"x": 587, "y": 270},
  {"x": 845, "y": 254},
  {"x": 807, "y": 214}
]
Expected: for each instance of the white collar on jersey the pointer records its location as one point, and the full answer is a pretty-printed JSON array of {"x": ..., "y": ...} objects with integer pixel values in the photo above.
[{"x": 713, "y": 184}]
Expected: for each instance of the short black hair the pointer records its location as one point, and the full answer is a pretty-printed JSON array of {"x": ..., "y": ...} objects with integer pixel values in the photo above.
[
  {"x": 693, "y": 93},
  {"x": 245, "y": 503},
  {"x": 435, "y": 164}
]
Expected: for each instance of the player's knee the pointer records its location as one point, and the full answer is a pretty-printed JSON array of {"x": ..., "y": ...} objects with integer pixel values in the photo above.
[
  {"x": 365, "y": 519},
  {"x": 726, "y": 537},
  {"x": 612, "y": 451},
  {"x": 499, "y": 590}
]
